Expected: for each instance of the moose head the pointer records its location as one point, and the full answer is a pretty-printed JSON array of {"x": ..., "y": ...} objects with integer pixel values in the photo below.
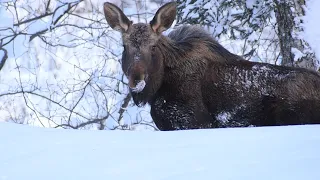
[{"x": 142, "y": 59}]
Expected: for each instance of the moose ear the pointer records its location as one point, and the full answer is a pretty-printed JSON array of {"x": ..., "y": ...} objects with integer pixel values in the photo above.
[
  {"x": 164, "y": 17},
  {"x": 116, "y": 18}
]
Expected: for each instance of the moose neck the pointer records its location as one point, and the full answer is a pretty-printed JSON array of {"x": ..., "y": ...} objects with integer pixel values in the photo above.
[{"x": 170, "y": 51}]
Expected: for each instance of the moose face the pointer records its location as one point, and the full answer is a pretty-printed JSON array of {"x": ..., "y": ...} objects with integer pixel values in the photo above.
[{"x": 141, "y": 57}]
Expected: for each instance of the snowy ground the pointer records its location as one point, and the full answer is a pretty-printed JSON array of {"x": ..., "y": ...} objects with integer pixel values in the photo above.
[{"x": 273, "y": 153}]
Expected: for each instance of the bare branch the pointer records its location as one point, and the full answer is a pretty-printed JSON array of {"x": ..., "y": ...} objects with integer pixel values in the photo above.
[
  {"x": 4, "y": 57},
  {"x": 124, "y": 106}
]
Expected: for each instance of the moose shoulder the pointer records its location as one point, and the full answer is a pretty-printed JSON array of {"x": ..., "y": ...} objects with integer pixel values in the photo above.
[{"x": 191, "y": 81}]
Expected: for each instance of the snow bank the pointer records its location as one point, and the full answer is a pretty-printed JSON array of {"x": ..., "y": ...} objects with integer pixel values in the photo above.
[{"x": 277, "y": 153}]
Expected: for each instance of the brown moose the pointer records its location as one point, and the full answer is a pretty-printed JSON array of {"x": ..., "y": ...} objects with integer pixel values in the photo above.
[{"x": 192, "y": 82}]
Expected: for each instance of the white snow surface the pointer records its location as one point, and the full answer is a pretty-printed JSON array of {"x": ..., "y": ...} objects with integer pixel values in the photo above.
[{"x": 269, "y": 153}]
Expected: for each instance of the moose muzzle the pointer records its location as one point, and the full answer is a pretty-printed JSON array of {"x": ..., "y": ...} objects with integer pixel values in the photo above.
[{"x": 137, "y": 77}]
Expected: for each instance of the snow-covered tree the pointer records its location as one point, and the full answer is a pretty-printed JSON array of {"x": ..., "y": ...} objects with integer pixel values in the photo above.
[{"x": 266, "y": 31}]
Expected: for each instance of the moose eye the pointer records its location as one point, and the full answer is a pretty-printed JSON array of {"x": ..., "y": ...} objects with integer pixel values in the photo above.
[{"x": 153, "y": 48}]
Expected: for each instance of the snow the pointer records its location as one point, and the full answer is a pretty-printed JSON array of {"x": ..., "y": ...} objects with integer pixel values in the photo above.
[
  {"x": 297, "y": 53},
  {"x": 90, "y": 55},
  {"x": 139, "y": 87},
  {"x": 311, "y": 26},
  {"x": 279, "y": 153},
  {"x": 224, "y": 117},
  {"x": 250, "y": 3}
]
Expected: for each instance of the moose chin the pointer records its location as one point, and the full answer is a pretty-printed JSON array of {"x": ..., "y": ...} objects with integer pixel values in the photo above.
[{"x": 191, "y": 81}]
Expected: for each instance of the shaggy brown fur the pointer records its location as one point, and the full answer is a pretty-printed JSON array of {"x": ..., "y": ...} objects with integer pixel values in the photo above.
[{"x": 193, "y": 82}]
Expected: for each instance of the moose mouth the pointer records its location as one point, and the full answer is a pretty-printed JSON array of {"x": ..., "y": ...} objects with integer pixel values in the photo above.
[{"x": 137, "y": 84}]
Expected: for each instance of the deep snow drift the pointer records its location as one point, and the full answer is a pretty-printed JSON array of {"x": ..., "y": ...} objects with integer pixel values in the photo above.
[{"x": 270, "y": 153}]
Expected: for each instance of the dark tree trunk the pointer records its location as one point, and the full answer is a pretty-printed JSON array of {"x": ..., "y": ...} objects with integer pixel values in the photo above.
[
  {"x": 285, "y": 27},
  {"x": 286, "y": 34}
]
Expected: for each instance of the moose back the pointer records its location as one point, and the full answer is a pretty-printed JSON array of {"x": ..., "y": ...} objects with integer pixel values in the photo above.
[{"x": 191, "y": 81}]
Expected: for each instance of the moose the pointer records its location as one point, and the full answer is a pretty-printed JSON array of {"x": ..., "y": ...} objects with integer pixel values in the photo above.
[{"x": 191, "y": 81}]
